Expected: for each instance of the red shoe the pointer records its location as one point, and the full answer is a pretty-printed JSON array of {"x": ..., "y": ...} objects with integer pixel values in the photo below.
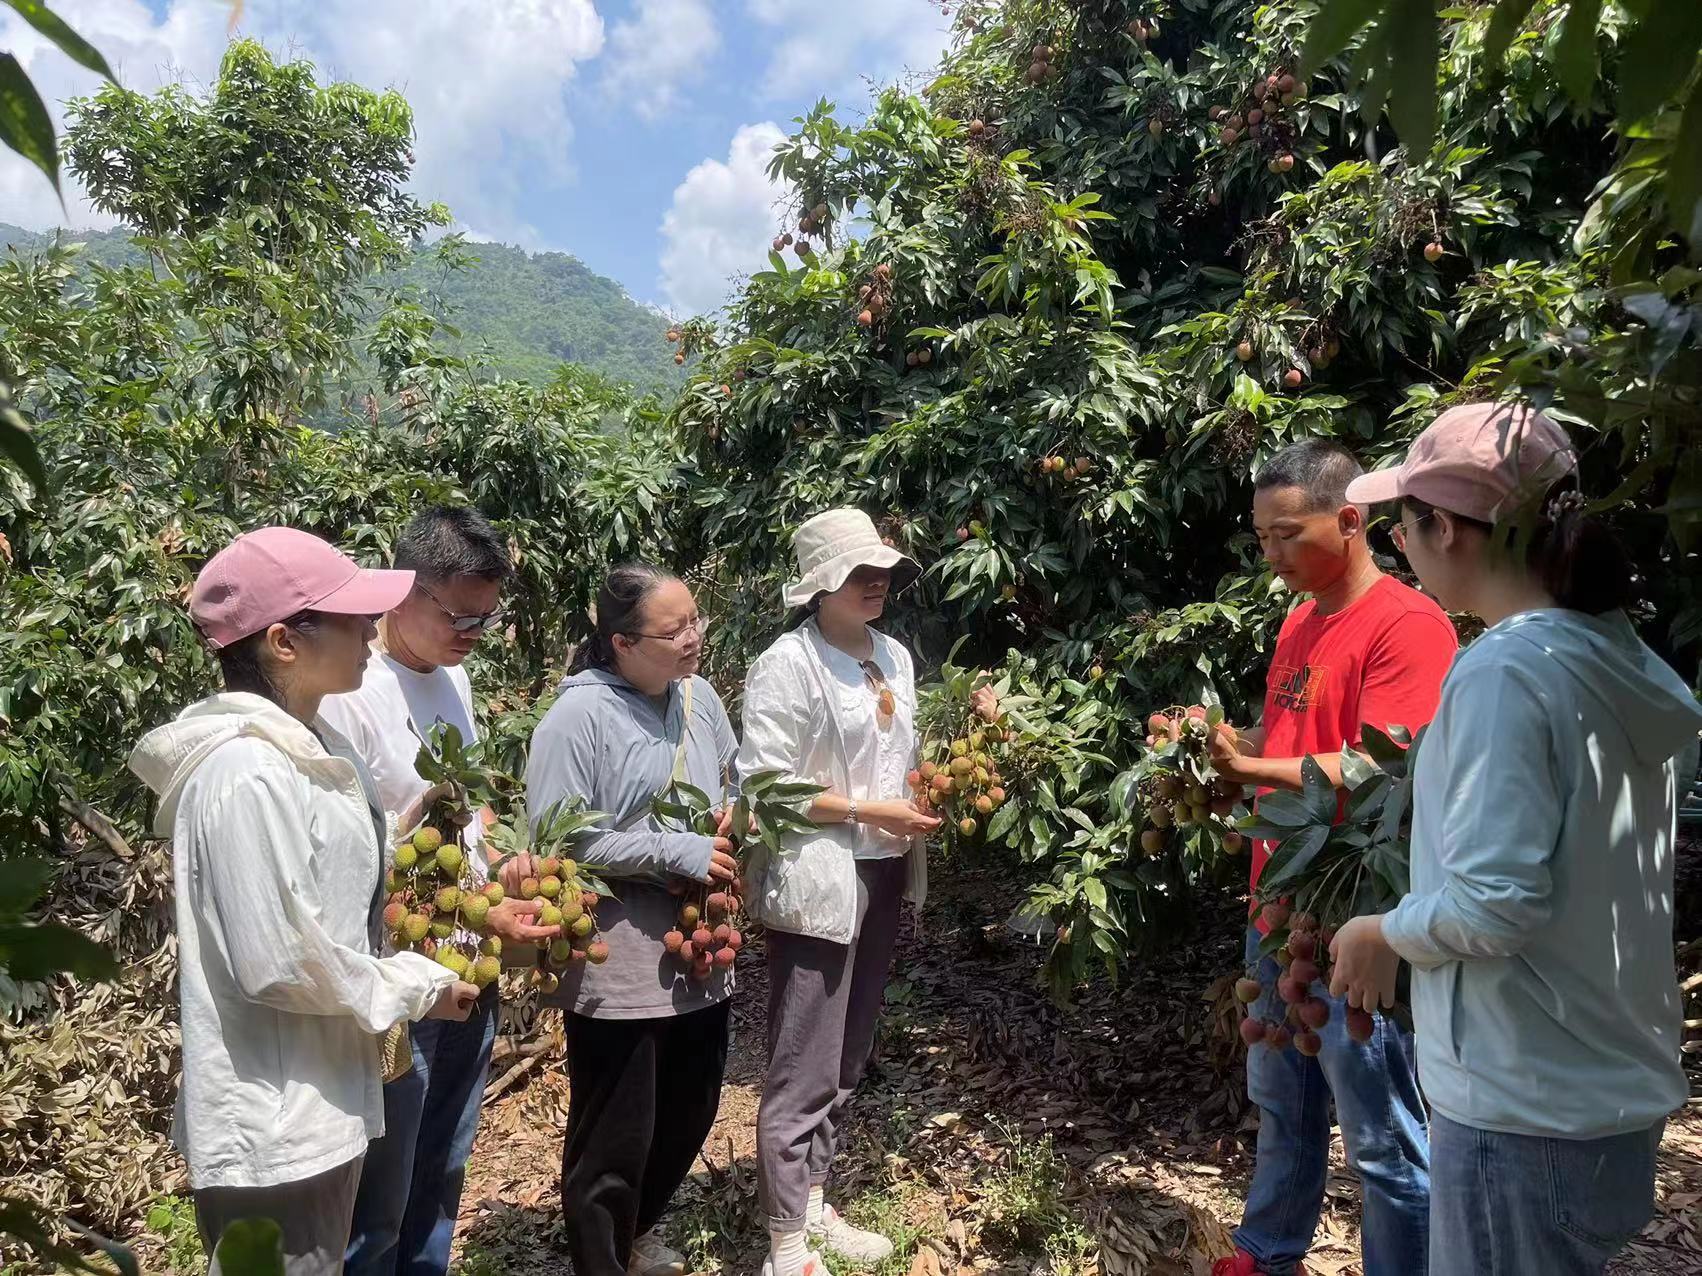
[{"x": 1241, "y": 1263}]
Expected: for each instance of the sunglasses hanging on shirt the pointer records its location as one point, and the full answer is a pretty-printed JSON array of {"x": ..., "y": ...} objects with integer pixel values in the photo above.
[{"x": 885, "y": 705}]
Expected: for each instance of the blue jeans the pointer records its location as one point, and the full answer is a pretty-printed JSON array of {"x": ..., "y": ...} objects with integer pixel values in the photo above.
[
  {"x": 1520, "y": 1205},
  {"x": 410, "y": 1186},
  {"x": 1382, "y": 1119}
]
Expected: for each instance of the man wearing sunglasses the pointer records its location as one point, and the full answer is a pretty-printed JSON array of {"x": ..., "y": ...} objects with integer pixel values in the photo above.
[{"x": 410, "y": 1189}]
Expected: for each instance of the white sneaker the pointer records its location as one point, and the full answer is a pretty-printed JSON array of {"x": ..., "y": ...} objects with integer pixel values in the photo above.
[
  {"x": 833, "y": 1232},
  {"x": 813, "y": 1265},
  {"x": 651, "y": 1257}
]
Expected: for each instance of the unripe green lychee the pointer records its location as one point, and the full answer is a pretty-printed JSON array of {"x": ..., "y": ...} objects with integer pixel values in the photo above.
[
  {"x": 415, "y": 926},
  {"x": 476, "y": 910},
  {"x": 449, "y": 859},
  {"x": 485, "y": 971},
  {"x": 426, "y": 863},
  {"x": 427, "y": 840},
  {"x": 447, "y": 898},
  {"x": 493, "y": 892},
  {"x": 447, "y": 956},
  {"x": 583, "y": 927},
  {"x": 571, "y": 909},
  {"x": 442, "y": 927},
  {"x": 406, "y": 857},
  {"x": 491, "y": 946},
  {"x": 529, "y": 888},
  {"x": 597, "y": 953},
  {"x": 549, "y": 915},
  {"x": 549, "y": 887}
]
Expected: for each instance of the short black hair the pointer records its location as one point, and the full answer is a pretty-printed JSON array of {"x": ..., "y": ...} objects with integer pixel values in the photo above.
[
  {"x": 1322, "y": 468},
  {"x": 445, "y": 541}
]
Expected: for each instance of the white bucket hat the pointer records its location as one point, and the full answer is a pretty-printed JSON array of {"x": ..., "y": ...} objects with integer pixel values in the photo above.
[{"x": 834, "y": 544}]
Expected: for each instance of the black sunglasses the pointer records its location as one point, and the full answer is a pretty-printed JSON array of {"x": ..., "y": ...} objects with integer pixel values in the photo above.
[{"x": 465, "y": 624}]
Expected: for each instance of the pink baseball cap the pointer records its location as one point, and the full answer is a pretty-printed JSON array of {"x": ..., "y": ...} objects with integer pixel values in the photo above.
[
  {"x": 1482, "y": 460},
  {"x": 270, "y": 574}
]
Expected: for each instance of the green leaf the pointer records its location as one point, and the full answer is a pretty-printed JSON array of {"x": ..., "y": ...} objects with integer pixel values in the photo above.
[
  {"x": 1412, "y": 74},
  {"x": 1298, "y": 852},
  {"x": 1004, "y": 819},
  {"x": 251, "y": 1247},
  {"x": 1508, "y": 20},
  {"x": 25, "y": 124},
  {"x": 1684, "y": 179},
  {"x": 30, "y": 952},
  {"x": 69, "y": 43},
  {"x": 1334, "y": 28},
  {"x": 1575, "y": 49},
  {"x": 22, "y": 883},
  {"x": 1657, "y": 57},
  {"x": 30, "y": 1224},
  {"x": 17, "y": 443},
  {"x": 1287, "y": 810}
]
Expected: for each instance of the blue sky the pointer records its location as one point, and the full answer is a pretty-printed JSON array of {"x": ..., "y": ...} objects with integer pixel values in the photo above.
[{"x": 631, "y": 133}]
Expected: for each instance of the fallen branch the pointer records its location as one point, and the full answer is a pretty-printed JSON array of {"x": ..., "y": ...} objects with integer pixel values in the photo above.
[
  {"x": 97, "y": 824},
  {"x": 527, "y": 1056}
]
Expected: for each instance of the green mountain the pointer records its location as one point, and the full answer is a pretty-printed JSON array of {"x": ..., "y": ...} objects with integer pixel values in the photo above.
[{"x": 528, "y": 311}]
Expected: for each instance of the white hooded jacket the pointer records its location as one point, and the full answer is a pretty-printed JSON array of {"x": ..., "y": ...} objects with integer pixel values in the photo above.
[{"x": 276, "y": 860}]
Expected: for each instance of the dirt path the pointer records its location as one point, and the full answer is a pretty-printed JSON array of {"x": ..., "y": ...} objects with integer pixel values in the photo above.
[{"x": 995, "y": 1132}]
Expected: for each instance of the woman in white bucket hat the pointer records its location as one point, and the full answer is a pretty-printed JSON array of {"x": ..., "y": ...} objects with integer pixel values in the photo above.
[{"x": 832, "y": 702}]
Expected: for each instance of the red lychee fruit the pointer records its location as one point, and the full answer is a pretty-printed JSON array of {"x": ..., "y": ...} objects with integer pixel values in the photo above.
[
  {"x": 1314, "y": 1012},
  {"x": 1252, "y": 1031},
  {"x": 1304, "y": 972},
  {"x": 1360, "y": 1024},
  {"x": 1278, "y": 1036},
  {"x": 1248, "y": 990},
  {"x": 1308, "y": 1043},
  {"x": 673, "y": 941},
  {"x": 1433, "y": 252}
]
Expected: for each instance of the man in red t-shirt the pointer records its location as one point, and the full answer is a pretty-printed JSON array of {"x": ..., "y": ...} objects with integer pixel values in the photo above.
[{"x": 1364, "y": 648}]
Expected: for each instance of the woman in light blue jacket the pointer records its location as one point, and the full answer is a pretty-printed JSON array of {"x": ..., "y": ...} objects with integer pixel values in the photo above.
[{"x": 1539, "y": 925}]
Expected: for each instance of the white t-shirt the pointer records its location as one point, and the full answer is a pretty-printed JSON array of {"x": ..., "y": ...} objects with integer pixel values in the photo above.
[
  {"x": 386, "y": 720},
  {"x": 878, "y": 757}
]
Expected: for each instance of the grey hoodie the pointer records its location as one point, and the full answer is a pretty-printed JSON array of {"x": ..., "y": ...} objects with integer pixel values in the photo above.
[
  {"x": 1540, "y": 919},
  {"x": 607, "y": 742}
]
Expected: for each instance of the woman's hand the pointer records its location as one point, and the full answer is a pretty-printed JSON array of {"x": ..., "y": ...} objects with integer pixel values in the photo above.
[
  {"x": 722, "y": 866},
  {"x": 1364, "y": 965},
  {"x": 454, "y": 1002},
  {"x": 898, "y": 817},
  {"x": 985, "y": 702},
  {"x": 512, "y": 920}
]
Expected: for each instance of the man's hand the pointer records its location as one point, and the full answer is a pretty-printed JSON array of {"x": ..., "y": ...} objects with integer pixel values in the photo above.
[
  {"x": 1364, "y": 965},
  {"x": 512, "y": 920},
  {"x": 454, "y": 1002},
  {"x": 1228, "y": 755},
  {"x": 415, "y": 811},
  {"x": 985, "y": 703},
  {"x": 724, "y": 823},
  {"x": 515, "y": 871},
  {"x": 722, "y": 866}
]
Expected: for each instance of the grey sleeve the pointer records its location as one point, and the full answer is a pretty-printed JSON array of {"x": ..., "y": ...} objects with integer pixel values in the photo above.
[
  {"x": 726, "y": 748},
  {"x": 563, "y": 765}
]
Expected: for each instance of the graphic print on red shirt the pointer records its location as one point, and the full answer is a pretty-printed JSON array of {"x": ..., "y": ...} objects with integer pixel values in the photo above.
[{"x": 1380, "y": 660}]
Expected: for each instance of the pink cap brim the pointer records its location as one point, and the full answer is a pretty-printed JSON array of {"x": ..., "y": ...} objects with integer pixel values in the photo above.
[
  {"x": 369, "y": 592},
  {"x": 1375, "y": 488}
]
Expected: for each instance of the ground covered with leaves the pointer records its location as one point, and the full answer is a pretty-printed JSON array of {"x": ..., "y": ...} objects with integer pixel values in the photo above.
[{"x": 996, "y": 1132}]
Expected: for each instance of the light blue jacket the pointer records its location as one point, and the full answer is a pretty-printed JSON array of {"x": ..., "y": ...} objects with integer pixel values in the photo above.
[{"x": 1540, "y": 919}]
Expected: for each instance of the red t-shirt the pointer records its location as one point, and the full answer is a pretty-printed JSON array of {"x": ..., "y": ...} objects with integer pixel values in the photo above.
[{"x": 1380, "y": 660}]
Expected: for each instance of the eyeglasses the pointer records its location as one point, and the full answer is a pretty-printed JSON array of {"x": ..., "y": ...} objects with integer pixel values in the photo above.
[
  {"x": 700, "y": 627},
  {"x": 465, "y": 624},
  {"x": 1399, "y": 531}
]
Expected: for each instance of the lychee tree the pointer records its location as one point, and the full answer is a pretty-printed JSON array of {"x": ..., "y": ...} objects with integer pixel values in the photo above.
[{"x": 1112, "y": 257}]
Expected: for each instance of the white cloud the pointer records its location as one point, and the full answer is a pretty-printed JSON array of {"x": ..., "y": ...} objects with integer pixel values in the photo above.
[
  {"x": 486, "y": 81},
  {"x": 723, "y": 217},
  {"x": 827, "y": 48},
  {"x": 665, "y": 46}
]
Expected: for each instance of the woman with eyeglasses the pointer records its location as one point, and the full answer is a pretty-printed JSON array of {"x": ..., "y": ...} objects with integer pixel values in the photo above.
[
  {"x": 1539, "y": 924},
  {"x": 832, "y": 702},
  {"x": 646, "y": 1041}
]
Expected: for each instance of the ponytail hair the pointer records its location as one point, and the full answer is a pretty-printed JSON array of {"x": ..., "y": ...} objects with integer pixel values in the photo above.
[
  {"x": 619, "y": 608},
  {"x": 1580, "y": 561}
]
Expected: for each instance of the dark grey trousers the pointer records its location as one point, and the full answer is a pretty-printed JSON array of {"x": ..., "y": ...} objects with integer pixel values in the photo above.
[
  {"x": 823, "y": 1002},
  {"x": 314, "y": 1215}
]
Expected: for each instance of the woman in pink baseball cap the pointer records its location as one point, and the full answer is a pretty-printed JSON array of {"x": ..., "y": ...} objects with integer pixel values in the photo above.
[
  {"x": 278, "y": 845},
  {"x": 1539, "y": 921}
]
